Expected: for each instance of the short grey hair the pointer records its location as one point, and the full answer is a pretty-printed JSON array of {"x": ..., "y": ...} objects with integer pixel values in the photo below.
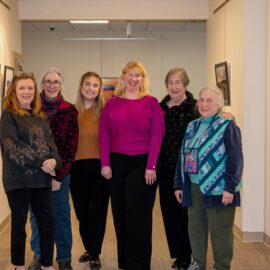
[
  {"x": 52, "y": 70},
  {"x": 219, "y": 94}
]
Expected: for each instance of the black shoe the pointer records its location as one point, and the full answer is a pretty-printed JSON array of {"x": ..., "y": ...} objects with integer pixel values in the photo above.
[
  {"x": 95, "y": 263},
  {"x": 176, "y": 263},
  {"x": 65, "y": 265},
  {"x": 35, "y": 264},
  {"x": 183, "y": 266},
  {"x": 179, "y": 265},
  {"x": 85, "y": 257}
]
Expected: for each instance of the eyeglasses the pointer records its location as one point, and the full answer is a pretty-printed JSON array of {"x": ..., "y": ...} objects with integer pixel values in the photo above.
[
  {"x": 175, "y": 83},
  {"x": 49, "y": 83}
]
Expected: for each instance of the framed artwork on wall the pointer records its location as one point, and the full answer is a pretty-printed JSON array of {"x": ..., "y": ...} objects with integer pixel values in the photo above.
[
  {"x": 108, "y": 86},
  {"x": 8, "y": 76},
  {"x": 222, "y": 81}
]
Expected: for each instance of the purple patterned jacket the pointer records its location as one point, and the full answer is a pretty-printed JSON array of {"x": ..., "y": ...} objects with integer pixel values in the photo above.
[{"x": 65, "y": 130}]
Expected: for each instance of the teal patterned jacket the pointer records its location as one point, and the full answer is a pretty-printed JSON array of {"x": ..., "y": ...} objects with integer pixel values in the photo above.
[{"x": 220, "y": 160}]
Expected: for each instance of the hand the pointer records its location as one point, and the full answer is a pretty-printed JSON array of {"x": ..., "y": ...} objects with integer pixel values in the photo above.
[
  {"x": 227, "y": 198},
  {"x": 55, "y": 185},
  {"x": 179, "y": 195},
  {"x": 150, "y": 177},
  {"x": 106, "y": 172},
  {"x": 52, "y": 173},
  {"x": 228, "y": 115},
  {"x": 48, "y": 165}
]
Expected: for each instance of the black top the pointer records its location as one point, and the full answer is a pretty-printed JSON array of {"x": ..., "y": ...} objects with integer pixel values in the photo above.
[
  {"x": 176, "y": 121},
  {"x": 26, "y": 142}
]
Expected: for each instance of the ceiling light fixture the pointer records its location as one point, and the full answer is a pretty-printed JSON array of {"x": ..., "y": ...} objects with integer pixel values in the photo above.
[
  {"x": 89, "y": 21},
  {"x": 111, "y": 38}
]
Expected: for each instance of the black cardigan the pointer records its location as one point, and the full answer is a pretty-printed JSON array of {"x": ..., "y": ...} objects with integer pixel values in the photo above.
[{"x": 176, "y": 121}]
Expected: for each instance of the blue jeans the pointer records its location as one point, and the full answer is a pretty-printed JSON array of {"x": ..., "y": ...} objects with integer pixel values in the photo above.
[{"x": 63, "y": 233}]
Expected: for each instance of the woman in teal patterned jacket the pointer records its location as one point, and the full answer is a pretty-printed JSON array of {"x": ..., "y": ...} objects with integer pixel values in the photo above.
[{"x": 208, "y": 179}]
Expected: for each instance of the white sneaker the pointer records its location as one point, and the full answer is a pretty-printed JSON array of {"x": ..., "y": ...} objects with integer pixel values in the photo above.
[{"x": 194, "y": 265}]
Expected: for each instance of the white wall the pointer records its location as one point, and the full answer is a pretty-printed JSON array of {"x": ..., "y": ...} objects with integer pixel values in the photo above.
[
  {"x": 113, "y": 9},
  {"x": 225, "y": 42},
  {"x": 184, "y": 49},
  {"x": 267, "y": 160},
  {"x": 10, "y": 41},
  {"x": 235, "y": 36}
]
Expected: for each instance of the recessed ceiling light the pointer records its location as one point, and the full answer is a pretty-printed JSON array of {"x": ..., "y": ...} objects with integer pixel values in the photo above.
[{"x": 89, "y": 21}]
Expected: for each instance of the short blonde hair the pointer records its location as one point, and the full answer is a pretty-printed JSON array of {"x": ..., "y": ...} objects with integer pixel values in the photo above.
[
  {"x": 139, "y": 68},
  {"x": 219, "y": 94}
]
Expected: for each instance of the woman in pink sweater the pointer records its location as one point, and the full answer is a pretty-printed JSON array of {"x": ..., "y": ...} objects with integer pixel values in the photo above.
[{"x": 130, "y": 133}]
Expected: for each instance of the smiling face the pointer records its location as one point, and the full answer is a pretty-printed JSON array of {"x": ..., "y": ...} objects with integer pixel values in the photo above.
[
  {"x": 90, "y": 88},
  {"x": 208, "y": 103},
  {"x": 52, "y": 86},
  {"x": 25, "y": 92},
  {"x": 133, "y": 81},
  {"x": 176, "y": 88}
]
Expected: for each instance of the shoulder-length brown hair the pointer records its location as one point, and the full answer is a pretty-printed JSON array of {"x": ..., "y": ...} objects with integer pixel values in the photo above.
[
  {"x": 139, "y": 68},
  {"x": 11, "y": 101},
  {"x": 99, "y": 102}
]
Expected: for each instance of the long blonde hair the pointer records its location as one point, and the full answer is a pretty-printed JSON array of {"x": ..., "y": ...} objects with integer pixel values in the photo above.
[
  {"x": 99, "y": 102},
  {"x": 11, "y": 101},
  {"x": 139, "y": 68}
]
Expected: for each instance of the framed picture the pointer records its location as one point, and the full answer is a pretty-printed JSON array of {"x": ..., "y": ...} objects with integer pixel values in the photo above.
[
  {"x": 222, "y": 81},
  {"x": 108, "y": 86},
  {"x": 8, "y": 76}
]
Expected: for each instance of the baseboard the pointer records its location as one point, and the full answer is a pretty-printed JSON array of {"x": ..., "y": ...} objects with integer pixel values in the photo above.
[
  {"x": 267, "y": 240},
  {"x": 250, "y": 236},
  {"x": 5, "y": 222}
]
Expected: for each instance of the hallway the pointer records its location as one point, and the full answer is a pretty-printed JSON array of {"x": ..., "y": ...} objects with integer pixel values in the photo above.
[{"x": 247, "y": 256}]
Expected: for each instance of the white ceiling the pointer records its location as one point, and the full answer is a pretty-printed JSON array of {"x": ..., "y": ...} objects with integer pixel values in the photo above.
[{"x": 147, "y": 26}]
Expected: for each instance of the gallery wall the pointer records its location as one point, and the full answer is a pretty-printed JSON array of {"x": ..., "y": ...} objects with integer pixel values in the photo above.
[
  {"x": 234, "y": 36},
  {"x": 10, "y": 43},
  {"x": 176, "y": 48}
]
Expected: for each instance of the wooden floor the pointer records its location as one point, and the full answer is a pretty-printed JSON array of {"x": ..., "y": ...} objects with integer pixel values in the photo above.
[{"x": 247, "y": 256}]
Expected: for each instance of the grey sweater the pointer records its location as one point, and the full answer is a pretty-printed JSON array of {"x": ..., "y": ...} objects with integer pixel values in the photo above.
[{"x": 26, "y": 142}]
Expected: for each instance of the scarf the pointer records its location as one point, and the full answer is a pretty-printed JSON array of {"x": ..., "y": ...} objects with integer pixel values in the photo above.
[{"x": 50, "y": 107}]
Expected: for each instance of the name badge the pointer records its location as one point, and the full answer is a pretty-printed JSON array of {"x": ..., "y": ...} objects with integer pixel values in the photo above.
[{"x": 191, "y": 162}]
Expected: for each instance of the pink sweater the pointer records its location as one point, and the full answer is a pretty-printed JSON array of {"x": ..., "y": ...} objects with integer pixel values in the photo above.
[{"x": 131, "y": 127}]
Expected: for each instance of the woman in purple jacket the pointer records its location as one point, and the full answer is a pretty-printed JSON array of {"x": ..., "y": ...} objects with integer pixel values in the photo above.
[
  {"x": 63, "y": 122},
  {"x": 131, "y": 131}
]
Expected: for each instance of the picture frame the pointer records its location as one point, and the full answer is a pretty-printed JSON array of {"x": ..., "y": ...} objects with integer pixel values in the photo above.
[
  {"x": 8, "y": 76},
  {"x": 108, "y": 86},
  {"x": 222, "y": 81}
]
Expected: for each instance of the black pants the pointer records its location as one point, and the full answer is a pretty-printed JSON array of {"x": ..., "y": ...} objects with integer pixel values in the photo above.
[
  {"x": 41, "y": 202},
  {"x": 175, "y": 218},
  {"x": 90, "y": 195},
  {"x": 132, "y": 204}
]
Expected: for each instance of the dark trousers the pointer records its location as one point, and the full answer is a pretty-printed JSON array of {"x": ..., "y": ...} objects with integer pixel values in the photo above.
[
  {"x": 216, "y": 221},
  {"x": 175, "y": 218},
  {"x": 90, "y": 195},
  {"x": 132, "y": 205},
  {"x": 41, "y": 202}
]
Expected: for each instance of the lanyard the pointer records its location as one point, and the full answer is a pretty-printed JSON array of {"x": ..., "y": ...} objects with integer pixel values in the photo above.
[{"x": 208, "y": 127}]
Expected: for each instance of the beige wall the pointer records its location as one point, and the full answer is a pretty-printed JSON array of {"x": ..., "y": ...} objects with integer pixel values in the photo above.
[
  {"x": 233, "y": 35},
  {"x": 267, "y": 160},
  {"x": 225, "y": 42},
  {"x": 184, "y": 49},
  {"x": 113, "y": 9},
  {"x": 10, "y": 41}
]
